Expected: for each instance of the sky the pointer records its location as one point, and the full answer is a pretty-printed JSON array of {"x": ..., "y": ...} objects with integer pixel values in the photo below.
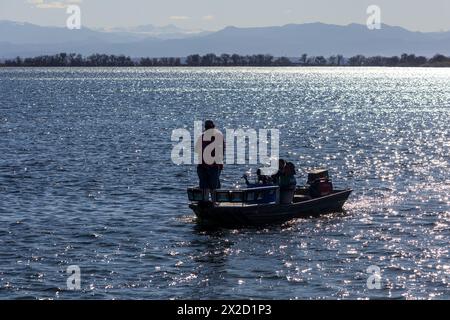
[{"x": 416, "y": 15}]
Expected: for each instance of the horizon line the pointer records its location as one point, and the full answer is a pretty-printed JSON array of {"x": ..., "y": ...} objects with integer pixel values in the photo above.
[{"x": 102, "y": 29}]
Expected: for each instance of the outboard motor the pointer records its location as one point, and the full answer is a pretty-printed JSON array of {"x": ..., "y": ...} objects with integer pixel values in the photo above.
[{"x": 319, "y": 183}]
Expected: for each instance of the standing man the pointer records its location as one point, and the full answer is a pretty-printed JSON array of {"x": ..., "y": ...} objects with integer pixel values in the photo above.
[{"x": 210, "y": 149}]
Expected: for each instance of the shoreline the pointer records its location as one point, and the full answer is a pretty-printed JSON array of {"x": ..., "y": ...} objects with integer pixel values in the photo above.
[
  {"x": 227, "y": 60},
  {"x": 224, "y": 67}
]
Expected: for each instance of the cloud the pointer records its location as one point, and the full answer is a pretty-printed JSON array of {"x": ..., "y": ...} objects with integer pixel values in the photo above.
[
  {"x": 41, "y": 4},
  {"x": 208, "y": 17},
  {"x": 179, "y": 18},
  {"x": 51, "y": 5}
]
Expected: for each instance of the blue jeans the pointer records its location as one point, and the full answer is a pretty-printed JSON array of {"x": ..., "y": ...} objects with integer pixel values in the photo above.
[{"x": 209, "y": 176}]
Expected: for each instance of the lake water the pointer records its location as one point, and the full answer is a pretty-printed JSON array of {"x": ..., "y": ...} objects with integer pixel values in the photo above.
[{"x": 86, "y": 179}]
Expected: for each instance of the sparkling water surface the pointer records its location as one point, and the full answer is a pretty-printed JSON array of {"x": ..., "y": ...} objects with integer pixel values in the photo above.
[{"x": 86, "y": 179}]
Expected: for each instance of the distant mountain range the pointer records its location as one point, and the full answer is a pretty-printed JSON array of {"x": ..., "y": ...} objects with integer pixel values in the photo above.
[
  {"x": 150, "y": 31},
  {"x": 25, "y": 39}
]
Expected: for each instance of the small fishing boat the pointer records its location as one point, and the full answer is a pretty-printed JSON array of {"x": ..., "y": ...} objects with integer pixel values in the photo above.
[{"x": 260, "y": 205}]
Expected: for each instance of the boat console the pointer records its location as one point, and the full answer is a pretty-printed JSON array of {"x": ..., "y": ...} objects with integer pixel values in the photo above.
[{"x": 256, "y": 195}]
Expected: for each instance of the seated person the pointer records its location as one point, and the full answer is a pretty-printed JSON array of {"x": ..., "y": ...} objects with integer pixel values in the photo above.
[{"x": 263, "y": 179}]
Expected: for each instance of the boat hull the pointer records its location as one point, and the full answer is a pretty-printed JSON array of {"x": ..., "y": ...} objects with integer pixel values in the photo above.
[{"x": 266, "y": 214}]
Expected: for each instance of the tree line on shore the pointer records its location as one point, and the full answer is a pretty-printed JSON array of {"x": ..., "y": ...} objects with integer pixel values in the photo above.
[{"x": 211, "y": 59}]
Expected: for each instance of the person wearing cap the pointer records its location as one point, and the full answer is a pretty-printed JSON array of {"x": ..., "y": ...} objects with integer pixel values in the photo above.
[{"x": 210, "y": 147}]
